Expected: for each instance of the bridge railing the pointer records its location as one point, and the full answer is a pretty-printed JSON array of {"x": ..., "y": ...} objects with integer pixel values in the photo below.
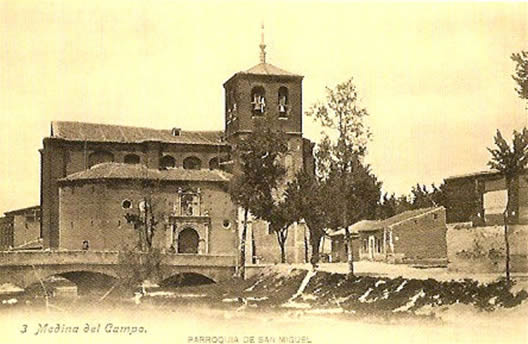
[{"x": 51, "y": 257}]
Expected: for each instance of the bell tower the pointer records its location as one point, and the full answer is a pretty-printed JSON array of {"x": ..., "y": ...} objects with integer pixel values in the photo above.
[{"x": 263, "y": 93}]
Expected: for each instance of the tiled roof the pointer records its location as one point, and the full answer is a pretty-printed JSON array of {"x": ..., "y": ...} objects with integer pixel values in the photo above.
[
  {"x": 268, "y": 69},
  {"x": 360, "y": 226},
  {"x": 81, "y": 131},
  {"x": 473, "y": 174},
  {"x": 22, "y": 210},
  {"x": 407, "y": 215},
  {"x": 371, "y": 225},
  {"x": 112, "y": 170}
]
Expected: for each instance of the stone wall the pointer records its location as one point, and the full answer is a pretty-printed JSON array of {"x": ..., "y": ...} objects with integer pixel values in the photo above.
[{"x": 482, "y": 249}]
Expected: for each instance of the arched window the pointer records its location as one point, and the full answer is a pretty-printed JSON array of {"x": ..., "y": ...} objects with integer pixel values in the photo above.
[
  {"x": 258, "y": 100},
  {"x": 283, "y": 101},
  {"x": 100, "y": 157},
  {"x": 192, "y": 163},
  {"x": 214, "y": 164},
  {"x": 131, "y": 159},
  {"x": 167, "y": 162}
]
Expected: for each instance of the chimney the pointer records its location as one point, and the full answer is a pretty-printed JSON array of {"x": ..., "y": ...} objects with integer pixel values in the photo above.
[{"x": 176, "y": 131}]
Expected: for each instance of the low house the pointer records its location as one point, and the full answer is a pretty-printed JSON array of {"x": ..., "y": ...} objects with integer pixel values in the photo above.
[
  {"x": 20, "y": 229},
  {"x": 415, "y": 236},
  {"x": 339, "y": 248},
  {"x": 480, "y": 198}
]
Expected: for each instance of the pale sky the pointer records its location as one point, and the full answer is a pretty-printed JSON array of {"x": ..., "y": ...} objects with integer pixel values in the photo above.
[{"x": 435, "y": 78}]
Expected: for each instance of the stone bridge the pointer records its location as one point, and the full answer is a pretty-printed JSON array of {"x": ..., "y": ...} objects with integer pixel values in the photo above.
[{"x": 24, "y": 268}]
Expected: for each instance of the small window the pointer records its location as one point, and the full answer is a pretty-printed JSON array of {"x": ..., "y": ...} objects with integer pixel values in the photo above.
[
  {"x": 100, "y": 157},
  {"x": 226, "y": 223},
  {"x": 214, "y": 164},
  {"x": 192, "y": 163},
  {"x": 167, "y": 162},
  {"x": 258, "y": 101},
  {"x": 435, "y": 216},
  {"x": 131, "y": 159},
  {"x": 283, "y": 102},
  {"x": 126, "y": 204}
]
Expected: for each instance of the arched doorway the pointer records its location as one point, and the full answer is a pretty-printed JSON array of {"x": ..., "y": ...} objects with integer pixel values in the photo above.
[{"x": 188, "y": 241}]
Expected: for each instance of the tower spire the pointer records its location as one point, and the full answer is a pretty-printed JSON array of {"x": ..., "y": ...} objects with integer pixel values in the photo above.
[{"x": 262, "y": 45}]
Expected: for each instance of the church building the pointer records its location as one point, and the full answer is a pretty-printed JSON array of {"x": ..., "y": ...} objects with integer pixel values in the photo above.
[{"x": 92, "y": 175}]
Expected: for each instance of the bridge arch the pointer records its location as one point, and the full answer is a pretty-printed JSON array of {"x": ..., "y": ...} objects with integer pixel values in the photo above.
[
  {"x": 84, "y": 278},
  {"x": 187, "y": 279}
]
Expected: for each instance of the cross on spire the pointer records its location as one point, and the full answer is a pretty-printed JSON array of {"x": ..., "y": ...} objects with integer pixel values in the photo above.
[{"x": 262, "y": 46}]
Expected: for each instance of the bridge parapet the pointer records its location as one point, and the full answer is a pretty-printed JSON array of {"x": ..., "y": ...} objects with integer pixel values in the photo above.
[
  {"x": 37, "y": 258},
  {"x": 199, "y": 260},
  {"x": 25, "y": 258}
]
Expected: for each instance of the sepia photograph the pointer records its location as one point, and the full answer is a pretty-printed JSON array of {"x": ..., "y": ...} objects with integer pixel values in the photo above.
[{"x": 256, "y": 172}]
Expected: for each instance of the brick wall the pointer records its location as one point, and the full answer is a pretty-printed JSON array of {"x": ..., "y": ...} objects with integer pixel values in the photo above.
[
  {"x": 26, "y": 229},
  {"x": 242, "y": 86},
  {"x": 6, "y": 232},
  {"x": 61, "y": 158},
  {"x": 421, "y": 238},
  {"x": 94, "y": 212}
]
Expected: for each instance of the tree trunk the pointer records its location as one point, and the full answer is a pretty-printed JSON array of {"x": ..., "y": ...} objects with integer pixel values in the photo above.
[
  {"x": 350, "y": 256},
  {"x": 507, "y": 241},
  {"x": 506, "y": 219},
  {"x": 315, "y": 241},
  {"x": 348, "y": 242},
  {"x": 281, "y": 238},
  {"x": 243, "y": 246}
]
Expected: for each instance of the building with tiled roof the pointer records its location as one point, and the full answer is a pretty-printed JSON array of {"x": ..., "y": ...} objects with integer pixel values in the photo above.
[
  {"x": 480, "y": 198},
  {"x": 93, "y": 132},
  {"x": 20, "y": 229},
  {"x": 415, "y": 236},
  {"x": 92, "y": 175}
]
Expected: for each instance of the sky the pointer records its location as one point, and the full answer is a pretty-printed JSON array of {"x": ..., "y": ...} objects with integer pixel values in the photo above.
[{"x": 434, "y": 77}]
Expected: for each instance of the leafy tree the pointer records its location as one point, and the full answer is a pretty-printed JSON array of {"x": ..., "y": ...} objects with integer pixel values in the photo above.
[
  {"x": 510, "y": 162},
  {"x": 257, "y": 177},
  {"x": 307, "y": 201},
  {"x": 279, "y": 217},
  {"x": 355, "y": 190},
  {"x": 387, "y": 206},
  {"x": 521, "y": 73}
]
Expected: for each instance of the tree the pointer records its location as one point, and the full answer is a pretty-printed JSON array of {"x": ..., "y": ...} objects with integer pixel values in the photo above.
[
  {"x": 145, "y": 222},
  {"x": 521, "y": 73},
  {"x": 355, "y": 190},
  {"x": 258, "y": 176},
  {"x": 306, "y": 201},
  {"x": 143, "y": 261},
  {"x": 510, "y": 162},
  {"x": 279, "y": 217}
]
